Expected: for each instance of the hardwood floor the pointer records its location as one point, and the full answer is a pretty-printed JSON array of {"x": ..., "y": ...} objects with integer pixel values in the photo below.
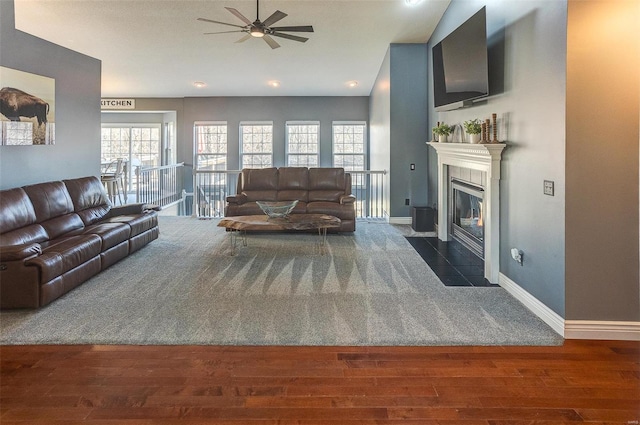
[{"x": 581, "y": 381}]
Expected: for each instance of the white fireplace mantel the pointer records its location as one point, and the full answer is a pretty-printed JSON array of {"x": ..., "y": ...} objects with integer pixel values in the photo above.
[{"x": 482, "y": 157}]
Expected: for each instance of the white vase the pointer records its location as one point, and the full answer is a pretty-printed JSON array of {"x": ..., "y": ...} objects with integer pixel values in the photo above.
[
  {"x": 442, "y": 138},
  {"x": 474, "y": 138}
]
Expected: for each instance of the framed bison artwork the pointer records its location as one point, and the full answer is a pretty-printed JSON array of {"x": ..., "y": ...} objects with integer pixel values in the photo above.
[{"x": 27, "y": 108}]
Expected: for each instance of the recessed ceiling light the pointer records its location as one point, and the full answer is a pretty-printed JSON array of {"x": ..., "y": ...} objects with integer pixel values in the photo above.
[
  {"x": 352, "y": 83},
  {"x": 274, "y": 83},
  {"x": 199, "y": 84},
  {"x": 412, "y": 2}
]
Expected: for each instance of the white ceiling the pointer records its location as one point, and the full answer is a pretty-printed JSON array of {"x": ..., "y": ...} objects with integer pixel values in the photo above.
[{"x": 156, "y": 48}]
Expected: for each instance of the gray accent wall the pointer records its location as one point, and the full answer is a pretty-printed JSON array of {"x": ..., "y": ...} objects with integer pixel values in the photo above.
[
  {"x": 603, "y": 133},
  {"x": 76, "y": 152},
  {"x": 566, "y": 89},
  {"x": 278, "y": 110},
  {"x": 527, "y": 60},
  {"x": 399, "y": 130},
  {"x": 380, "y": 124}
]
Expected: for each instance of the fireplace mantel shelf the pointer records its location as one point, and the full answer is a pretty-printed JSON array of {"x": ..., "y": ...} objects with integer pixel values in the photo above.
[
  {"x": 481, "y": 156},
  {"x": 486, "y": 158}
]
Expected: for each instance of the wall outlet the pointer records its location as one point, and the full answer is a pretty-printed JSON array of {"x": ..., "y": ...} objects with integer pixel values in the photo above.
[
  {"x": 407, "y": 202},
  {"x": 548, "y": 187}
]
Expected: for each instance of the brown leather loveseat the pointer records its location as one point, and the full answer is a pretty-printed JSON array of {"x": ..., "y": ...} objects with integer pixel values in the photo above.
[
  {"x": 56, "y": 235},
  {"x": 318, "y": 191}
]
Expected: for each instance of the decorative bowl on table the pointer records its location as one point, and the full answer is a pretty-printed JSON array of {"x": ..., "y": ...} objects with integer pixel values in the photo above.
[{"x": 280, "y": 209}]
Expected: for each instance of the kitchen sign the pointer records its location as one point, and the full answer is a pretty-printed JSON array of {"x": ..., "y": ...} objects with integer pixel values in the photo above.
[{"x": 117, "y": 104}]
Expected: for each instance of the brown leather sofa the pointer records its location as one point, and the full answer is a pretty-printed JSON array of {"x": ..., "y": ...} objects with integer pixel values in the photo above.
[
  {"x": 318, "y": 191},
  {"x": 56, "y": 235}
]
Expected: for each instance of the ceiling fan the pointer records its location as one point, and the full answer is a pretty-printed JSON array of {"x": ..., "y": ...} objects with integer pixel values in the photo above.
[{"x": 264, "y": 29}]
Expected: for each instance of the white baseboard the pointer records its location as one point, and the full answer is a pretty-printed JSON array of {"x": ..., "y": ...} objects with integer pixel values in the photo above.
[
  {"x": 550, "y": 317},
  {"x": 572, "y": 329},
  {"x": 399, "y": 220},
  {"x": 599, "y": 329}
]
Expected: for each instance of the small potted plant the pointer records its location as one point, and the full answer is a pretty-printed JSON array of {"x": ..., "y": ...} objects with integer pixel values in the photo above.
[
  {"x": 442, "y": 131},
  {"x": 473, "y": 128}
]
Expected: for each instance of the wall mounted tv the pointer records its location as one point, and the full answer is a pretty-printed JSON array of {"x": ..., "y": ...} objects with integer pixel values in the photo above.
[{"x": 460, "y": 68}]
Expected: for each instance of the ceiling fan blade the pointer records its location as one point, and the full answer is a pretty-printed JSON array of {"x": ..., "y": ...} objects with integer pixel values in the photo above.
[
  {"x": 271, "y": 42},
  {"x": 290, "y": 37},
  {"x": 239, "y": 15},
  {"x": 221, "y": 32},
  {"x": 301, "y": 28},
  {"x": 243, "y": 39},
  {"x": 218, "y": 22},
  {"x": 275, "y": 17}
]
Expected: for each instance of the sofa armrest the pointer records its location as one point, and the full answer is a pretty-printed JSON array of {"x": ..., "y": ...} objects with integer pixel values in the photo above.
[
  {"x": 347, "y": 199},
  {"x": 239, "y": 199},
  {"x": 19, "y": 252}
]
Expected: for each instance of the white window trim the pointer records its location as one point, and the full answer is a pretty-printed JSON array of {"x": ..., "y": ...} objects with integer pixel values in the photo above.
[
  {"x": 365, "y": 141},
  {"x": 195, "y": 143},
  {"x": 286, "y": 136},
  {"x": 250, "y": 123}
]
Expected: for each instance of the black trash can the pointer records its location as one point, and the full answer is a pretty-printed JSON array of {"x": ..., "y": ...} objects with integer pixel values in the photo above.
[{"x": 422, "y": 219}]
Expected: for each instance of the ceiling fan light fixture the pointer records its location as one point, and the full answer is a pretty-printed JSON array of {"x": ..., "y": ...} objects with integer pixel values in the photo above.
[{"x": 256, "y": 32}]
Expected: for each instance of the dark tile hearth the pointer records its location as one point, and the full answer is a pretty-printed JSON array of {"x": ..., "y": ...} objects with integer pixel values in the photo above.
[{"x": 452, "y": 262}]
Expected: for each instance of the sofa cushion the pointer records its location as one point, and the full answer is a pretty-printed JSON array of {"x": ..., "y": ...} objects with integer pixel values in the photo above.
[
  {"x": 293, "y": 183},
  {"x": 16, "y": 210},
  {"x": 61, "y": 255},
  {"x": 260, "y": 184},
  {"x": 111, "y": 233},
  {"x": 28, "y": 234},
  {"x": 59, "y": 226},
  {"x": 139, "y": 223},
  {"x": 260, "y": 179},
  {"x": 326, "y": 184},
  {"x": 50, "y": 200},
  {"x": 89, "y": 198},
  {"x": 343, "y": 212}
]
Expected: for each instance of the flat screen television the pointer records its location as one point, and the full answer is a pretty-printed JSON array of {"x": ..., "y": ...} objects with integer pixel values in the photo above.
[{"x": 460, "y": 66}]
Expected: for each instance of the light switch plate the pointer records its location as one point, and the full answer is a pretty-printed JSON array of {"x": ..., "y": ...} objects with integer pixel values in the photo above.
[{"x": 548, "y": 187}]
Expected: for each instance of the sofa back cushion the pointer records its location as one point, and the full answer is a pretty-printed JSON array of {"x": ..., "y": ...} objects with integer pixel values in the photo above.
[
  {"x": 89, "y": 199},
  {"x": 259, "y": 184},
  {"x": 50, "y": 200},
  {"x": 18, "y": 219},
  {"x": 326, "y": 184},
  {"x": 293, "y": 183},
  {"x": 16, "y": 210},
  {"x": 53, "y": 207}
]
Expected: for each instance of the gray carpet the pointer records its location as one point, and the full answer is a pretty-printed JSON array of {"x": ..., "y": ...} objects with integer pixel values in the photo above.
[{"x": 371, "y": 288}]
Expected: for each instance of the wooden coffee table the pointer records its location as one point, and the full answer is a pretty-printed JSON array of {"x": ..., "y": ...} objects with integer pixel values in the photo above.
[{"x": 243, "y": 223}]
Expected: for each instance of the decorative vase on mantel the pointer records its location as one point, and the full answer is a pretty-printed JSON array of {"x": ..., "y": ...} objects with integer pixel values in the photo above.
[
  {"x": 442, "y": 138},
  {"x": 474, "y": 138}
]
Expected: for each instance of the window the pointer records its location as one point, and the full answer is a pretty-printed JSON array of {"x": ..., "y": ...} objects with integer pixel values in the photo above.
[
  {"x": 138, "y": 144},
  {"x": 256, "y": 148},
  {"x": 211, "y": 145},
  {"x": 349, "y": 145},
  {"x": 302, "y": 144}
]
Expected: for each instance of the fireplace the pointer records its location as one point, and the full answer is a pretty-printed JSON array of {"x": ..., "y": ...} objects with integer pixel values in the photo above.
[
  {"x": 467, "y": 216},
  {"x": 479, "y": 157}
]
